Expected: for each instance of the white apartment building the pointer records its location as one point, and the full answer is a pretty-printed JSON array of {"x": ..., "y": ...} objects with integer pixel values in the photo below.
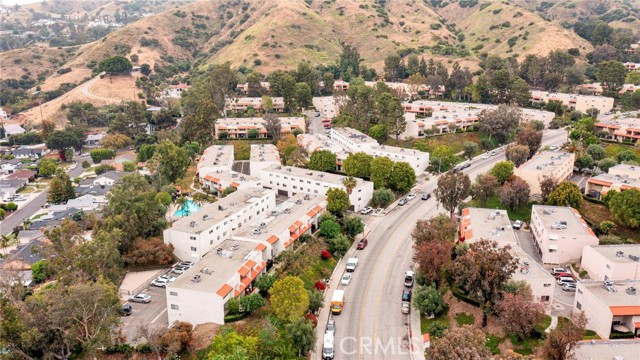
[
  {"x": 352, "y": 140},
  {"x": 280, "y": 228},
  {"x": 327, "y": 106},
  {"x": 574, "y": 102},
  {"x": 612, "y": 262},
  {"x": 197, "y": 234},
  {"x": 492, "y": 224},
  {"x": 245, "y": 103},
  {"x": 620, "y": 177},
  {"x": 607, "y": 349},
  {"x": 215, "y": 158},
  {"x": 622, "y": 128},
  {"x": 554, "y": 164},
  {"x": 239, "y": 128},
  {"x": 263, "y": 156},
  {"x": 220, "y": 180},
  {"x": 200, "y": 294},
  {"x": 560, "y": 233},
  {"x": 315, "y": 142},
  {"x": 289, "y": 181},
  {"x": 609, "y": 306}
]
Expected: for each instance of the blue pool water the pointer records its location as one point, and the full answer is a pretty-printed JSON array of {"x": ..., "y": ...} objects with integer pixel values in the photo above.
[{"x": 190, "y": 207}]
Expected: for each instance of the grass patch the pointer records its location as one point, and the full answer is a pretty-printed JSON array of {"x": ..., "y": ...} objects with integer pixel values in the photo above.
[
  {"x": 306, "y": 263},
  {"x": 523, "y": 214},
  {"x": 545, "y": 324},
  {"x": 38, "y": 216},
  {"x": 187, "y": 179},
  {"x": 425, "y": 323},
  {"x": 493, "y": 342},
  {"x": 27, "y": 190},
  {"x": 590, "y": 335},
  {"x": 464, "y": 319},
  {"x": 595, "y": 213},
  {"x": 526, "y": 346},
  {"x": 453, "y": 140}
]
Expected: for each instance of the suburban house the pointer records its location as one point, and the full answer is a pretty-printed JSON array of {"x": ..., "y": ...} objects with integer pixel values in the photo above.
[
  {"x": 612, "y": 262},
  {"x": 22, "y": 174},
  {"x": 27, "y": 153},
  {"x": 174, "y": 91},
  {"x": 546, "y": 164}
]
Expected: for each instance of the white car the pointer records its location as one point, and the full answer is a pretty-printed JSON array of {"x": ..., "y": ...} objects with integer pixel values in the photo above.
[
  {"x": 406, "y": 308},
  {"x": 163, "y": 281},
  {"x": 366, "y": 210},
  {"x": 486, "y": 156},
  {"x": 346, "y": 279},
  {"x": 411, "y": 196},
  {"x": 141, "y": 298}
]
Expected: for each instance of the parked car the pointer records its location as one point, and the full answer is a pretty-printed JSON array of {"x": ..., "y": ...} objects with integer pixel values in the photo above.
[
  {"x": 331, "y": 327},
  {"x": 558, "y": 270},
  {"x": 406, "y": 307},
  {"x": 366, "y": 210},
  {"x": 517, "y": 225},
  {"x": 162, "y": 282},
  {"x": 411, "y": 197},
  {"x": 126, "y": 310},
  {"x": 465, "y": 166},
  {"x": 486, "y": 156},
  {"x": 406, "y": 295},
  {"x": 426, "y": 196},
  {"x": 566, "y": 280},
  {"x": 346, "y": 279},
  {"x": 569, "y": 287},
  {"x": 180, "y": 269},
  {"x": 402, "y": 201},
  {"x": 493, "y": 153},
  {"x": 362, "y": 244},
  {"x": 559, "y": 275},
  {"x": 186, "y": 263},
  {"x": 141, "y": 298}
]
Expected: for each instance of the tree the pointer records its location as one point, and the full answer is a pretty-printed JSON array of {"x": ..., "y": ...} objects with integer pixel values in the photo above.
[
  {"x": 470, "y": 148},
  {"x": 264, "y": 282},
  {"x": 514, "y": 194},
  {"x": 358, "y": 165},
  {"x": 531, "y": 138},
  {"x": 464, "y": 343},
  {"x": 482, "y": 271},
  {"x": 60, "y": 189},
  {"x": 566, "y": 194},
  {"x": 349, "y": 184},
  {"x": 382, "y": 197},
  {"x": 611, "y": 75},
  {"x": 289, "y": 299},
  {"x": 228, "y": 345},
  {"x": 392, "y": 68},
  {"x": 606, "y": 164},
  {"x": 625, "y": 207},
  {"x": 520, "y": 92},
  {"x": 353, "y": 226},
  {"x": 322, "y": 160},
  {"x": 97, "y": 155},
  {"x": 517, "y": 154},
  {"x": 272, "y": 125},
  {"x": 560, "y": 342},
  {"x": 547, "y": 186},
  {"x": 169, "y": 162},
  {"x": 252, "y": 302},
  {"x": 165, "y": 118},
  {"x": 40, "y": 271},
  {"x": 502, "y": 171},
  {"x": 68, "y": 155},
  {"x": 62, "y": 140},
  {"x": 390, "y": 113},
  {"x": 146, "y": 252},
  {"x": 339, "y": 244},
  {"x": 302, "y": 335},
  {"x": 337, "y": 201},
  {"x": 103, "y": 168},
  {"x": 116, "y": 141},
  {"x": 402, "y": 178},
  {"x": 500, "y": 122},
  {"x": 46, "y": 128},
  {"x": 316, "y": 300},
  {"x": 115, "y": 65},
  {"x": 452, "y": 189},
  {"x": 596, "y": 151},
  {"x": 519, "y": 315},
  {"x": 429, "y": 301},
  {"x": 442, "y": 158},
  {"x": 433, "y": 243},
  {"x": 145, "y": 69},
  {"x": 329, "y": 229},
  {"x": 380, "y": 171},
  {"x": 484, "y": 188},
  {"x": 584, "y": 162},
  {"x": 302, "y": 95},
  {"x": 47, "y": 168}
]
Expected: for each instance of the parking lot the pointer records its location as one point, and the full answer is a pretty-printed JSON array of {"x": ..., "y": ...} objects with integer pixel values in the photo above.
[{"x": 151, "y": 315}]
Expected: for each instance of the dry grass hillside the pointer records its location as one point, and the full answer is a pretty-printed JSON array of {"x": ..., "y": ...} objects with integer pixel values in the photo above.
[
  {"x": 33, "y": 61},
  {"x": 502, "y": 28}
]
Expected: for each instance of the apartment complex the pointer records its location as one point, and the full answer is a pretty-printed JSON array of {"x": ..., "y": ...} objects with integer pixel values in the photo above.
[
  {"x": 610, "y": 306},
  {"x": 492, "y": 224},
  {"x": 607, "y": 349},
  {"x": 622, "y": 128},
  {"x": 596, "y": 89},
  {"x": 215, "y": 158},
  {"x": 262, "y": 156},
  {"x": 200, "y": 294},
  {"x": 632, "y": 66},
  {"x": 239, "y": 128},
  {"x": 560, "y": 233},
  {"x": 574, "y": 102},
  {"x": 327, "y": 106},
  {"x": 220, "y": 180},
  {"x": 612, "y": 262},
  {"x": 289, "y": 181},
  {"x": 620, "y": 177},
  {"x": 197, "y": 234},
  {"x": 546, "y": 164},
  {"x": 352, "y": 140},
  {"x": 255, "y": 103},
  {"x": 280, "y": 228},
  {"x": 244, "y": 88},
  {"x": 400, "y": 88}
]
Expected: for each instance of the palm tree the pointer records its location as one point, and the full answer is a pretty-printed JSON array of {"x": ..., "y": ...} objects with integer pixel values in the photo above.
[
  {"x": 182, "y": 205},
  {"x": 350, "y": 183}
]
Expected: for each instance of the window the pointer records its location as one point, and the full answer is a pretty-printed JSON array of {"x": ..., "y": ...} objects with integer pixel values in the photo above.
[
  {"x": 211, "y": 231},
  {"x": 578, "y": 305},
  {"x": 547, "y": 285},
  {"x": 579, "y": 291},
  {"x": 175, "y": 307},
  {"x": 173, "y": 293},
  {"x": 210, "y": 242},
  {"x": 192, "y": 237},
  {"x": 193, "y": 248},
  {"x": 544, "y": 298}
]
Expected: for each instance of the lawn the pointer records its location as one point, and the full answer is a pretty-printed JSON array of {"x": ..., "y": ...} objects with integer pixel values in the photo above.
[
  {"x": 464, "y": 319},
  {"x": 306, "y": 262},
  {"x": 595, "y": 213},
  {"x": 187, "y": 179},
  {"x": 523, "y": 214},
  {"x": 453, "y": 140},
  {"x": 27, "y": 190},
  {"x": 424, "y": 322}
]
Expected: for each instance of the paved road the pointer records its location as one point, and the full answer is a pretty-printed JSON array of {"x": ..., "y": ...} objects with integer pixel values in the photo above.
[
  {"x": 153, "y": 314},
  {"x": 315, "y": 122},
  {"x": 27, "y": 210}
]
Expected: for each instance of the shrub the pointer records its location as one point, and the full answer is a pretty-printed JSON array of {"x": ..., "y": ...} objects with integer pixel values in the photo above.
[
  {"x": 325, "y": 254},
  {"x": 235, "y": 317},
  {"x": 101, "y": 169},
  {"x": 320, "y": 285},
  {"x": 437, "y": 329},
  {"x": 97, "y": 155},
  {"x": 11, "y": 206},
  {"x": 40, "y": 271},
  {"x": 85, "y": 164}
]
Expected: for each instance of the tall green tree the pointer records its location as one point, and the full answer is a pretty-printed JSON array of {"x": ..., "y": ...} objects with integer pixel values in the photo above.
[
  {"x": 337, "y": 201},
  {"x": 60, "y": 189},
  {"x": 470, "y": 148},
  {"x": 566, "y": 194},
  {"x": 390, "y": 113},
  {"x": 484, "y": 188},
  {"x": 452, "y": 189},
  {"x": 289, "y": 299},
  {"x": 625, "y": 207},
  {"x": 322, "y": 160},
  {"x": 303, "y": 335},
  {"x": 428, "y": 300},
  {"x": 442, "y": 158},
  {"x": 115, "y": 65},
  {"x": 169, "y": 162},
  {"x": 402, "y": 177},
  {"x": 358, "y": 165},
  {"x": 611, "y": 74},
  {"x": 132, "y": 121},
  {"x": 502, "y": 171},
  {"x": 380, "y": 172},
  {"x": 302, "y": 95},
  {"x": 517, "y": 154},
  {"x": 500, "y": 122}
]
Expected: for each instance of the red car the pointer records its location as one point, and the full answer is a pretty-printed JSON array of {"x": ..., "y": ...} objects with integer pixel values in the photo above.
[
  {"x": 362, "y": 244},
  {"x": 559, "y": 275}
]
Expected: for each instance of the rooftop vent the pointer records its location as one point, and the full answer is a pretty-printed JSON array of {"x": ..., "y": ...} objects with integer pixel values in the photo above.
[
  {"x": 619, "y": 253},
  {"x": 289, "y": 169},
  {"x": 631, "y": 290},
  {"x": 234, "y": 175},
  {"x": 634, "y": 258},
  {"x": 298, "y": 201},
  {"x": 206, "y": 271},
  {"x": 205, "y": 217},
  {"x": 192, "y": 224},
  {"x": 196, "y": 278}
]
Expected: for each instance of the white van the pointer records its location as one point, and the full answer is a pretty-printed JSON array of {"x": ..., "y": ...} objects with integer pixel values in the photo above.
[{"x": 327, "y": 347}]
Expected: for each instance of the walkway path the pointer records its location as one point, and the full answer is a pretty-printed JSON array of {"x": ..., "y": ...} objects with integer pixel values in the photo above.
[{"x": 554, "y": 323}]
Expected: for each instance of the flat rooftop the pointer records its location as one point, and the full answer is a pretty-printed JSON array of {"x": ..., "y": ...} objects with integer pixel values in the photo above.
[
  {"x": 547, "y": 161},
  {"x": 309, "y": 174},
  {"x": 624, "y": 349},
  {"x": 563, "y": 96},
  {"x": 443, "y": 110},
  {"x": 264, "y": 152},
  {"x": 398, "y": 150},
  {"x": 314, "y": 142},
  {"x": 233, "y": 176},
  {"x": 626, "y": 169},
  {"x": 619, "y": 253},
  {"x": 562, "y": 220},
  {"x": 531, "y": 270},
  {"x": 354, "y": 135},
  {"x": 257, "y": 121},
  {"x": 216, "y": 269},
  {"x": 216, "y": 155},
  {"x": 610, "y": 179},
  {"x": 617, "y": 294},
  {"x": 490, "y": 224},
  {"x": 219, "y": 210},
  {"x": 622, "y": 121}
]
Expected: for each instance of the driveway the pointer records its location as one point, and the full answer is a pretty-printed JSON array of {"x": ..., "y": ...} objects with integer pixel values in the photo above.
[{"x": 151, "y": 315}]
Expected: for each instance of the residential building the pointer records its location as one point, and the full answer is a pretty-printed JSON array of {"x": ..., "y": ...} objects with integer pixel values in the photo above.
[
  {"x": 109, "y": 178},
  {"x": 574, "y": 102},
  {"x": 244, "y": 88},
  {"x": 632, "y": 66},
  {"x": 215, "y": 158},
  {"x": 197, "y": 234},
  {"x": 596, "y": 89},
  {"x": 239, "y": 128},
  {"x": 23, "y": 174},
  {"x": 546, "y": 164},
  {"x": 352, "y": 140},
  {"x": 244, "y": 103},
  {"x": 9, "y": 166},
  {"x": 620, "y": 177},
  {"x": 13, "y": 129},
  {"x": 560, "y": 233},
  {"x": 289, "y": 181},
  {"x": 327, "y": 106},
  {"x": 85, "y": 203},
  {"x": 609, "y": 306},
  {"x": 607, "y": 349},
  {"x": 9, "y": 188},
  {"x": 279, "y": 229},
  {"x": 24, "y": 152},
  {"x": 612, "y": 262},
  {"x": 220, "y": 180},
  {"x": 94, "y": 139},
  {"x": 492, "y": 224},
  {"x": 263, "y": 156},
  {"x": 340, "y": 86},
  {"x": 315, "y": 142},
  {"x": 174, "y": 91},
  {"x": 200, "y": 294},
  {"x": 621, "y": 128}
]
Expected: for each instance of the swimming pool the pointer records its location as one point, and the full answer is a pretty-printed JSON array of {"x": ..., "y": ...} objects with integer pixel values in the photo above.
[{"x": 190, "y": 207}]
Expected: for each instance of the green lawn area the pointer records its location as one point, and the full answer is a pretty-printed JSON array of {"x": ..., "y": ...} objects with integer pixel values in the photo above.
[
  {"x": 27, "y": 190},
  {"x": 523, "y": 214},
  {"x": 38, "y": 216},
  {"x": 424, "y": 322},
  {"x": 452, "y": 140},
  {"x": 306, "y": 262},
  {"x": 464, "y": 319},
  {"x": 595, "y": 213},
  {"x": 590, "y": 335},
  {"x": 493, "y": 342},
  {"x": 187, "y": 179}
]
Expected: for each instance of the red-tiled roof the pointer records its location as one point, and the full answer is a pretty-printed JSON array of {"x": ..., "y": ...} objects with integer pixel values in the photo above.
[
  {"x": 234, "y": 184},
  {"x": 244, "y": 271},
  {"x": 272, "y": 239},
  {"x": 625, "y": 310},
  {"x": 261, "y": 247},
  {"x": 292, "y": 228},
  {"x": 224, "y": 290}
]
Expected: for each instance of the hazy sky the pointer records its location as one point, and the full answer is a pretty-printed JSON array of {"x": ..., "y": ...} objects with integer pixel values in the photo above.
[{"x": 19, "y": 2}]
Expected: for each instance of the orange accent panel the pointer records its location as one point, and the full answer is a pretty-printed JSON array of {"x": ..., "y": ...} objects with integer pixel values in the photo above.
[
  {"x": 624, "y": 310},
  {"x": 261, "y": 247},
  {"x": 243, "y": 271},
  {"x": 224, "y": 290},
  {"x": 250, "y": 264},
  {"x": 272, "y": 239}
]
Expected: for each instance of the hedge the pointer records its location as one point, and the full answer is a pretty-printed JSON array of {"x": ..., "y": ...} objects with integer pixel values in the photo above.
[
  {"x": 235, "y": 317},
  {"x": 619, "y": 335},
  {"x": 458, "y": 293}
]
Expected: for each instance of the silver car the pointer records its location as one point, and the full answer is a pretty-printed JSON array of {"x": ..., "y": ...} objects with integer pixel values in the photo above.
[
  {"x": 346, "y": 279},
  {"x": 141, "y": 298}
]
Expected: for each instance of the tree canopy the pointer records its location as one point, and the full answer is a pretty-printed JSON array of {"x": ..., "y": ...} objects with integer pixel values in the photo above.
[{"x": 115, "y": 65}]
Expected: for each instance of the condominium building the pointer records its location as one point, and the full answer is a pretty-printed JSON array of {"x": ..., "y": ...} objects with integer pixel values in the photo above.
[
  {"x": 197, "y": 234},
  {"x": 220, "y": 180},
  {"x": 200, "y": 294},
  {"x": 560, "y": 233},
  {"x": 621, "y": 128},
  {"x": 607, "y": 349},
  {"x": 215, "y": 158},
  {"x": 289, "y": 181},
  {"x": 352, "y": 140},
  {"x": 315, "y": 142},
  {"x": 244, "y": 88},
  {"x": 263, "y": 156},
  {"x": 280, "y": 228},
  {"x": 612, "y": 262},
  {"x": 620, "y": 177},
  {"x": 596, "y": 89},
  {"x": 546, "y": 164},
  {"x": 574, "y": 102},
  {"x": 492, "y": 224},
  {"x": 609, "y": 306},
  {"x": 255, "y": 103},
  {"x": 632, "y": 66},
  {"x": 239, "y": 128},
  {"x": 327, "y": 106}
]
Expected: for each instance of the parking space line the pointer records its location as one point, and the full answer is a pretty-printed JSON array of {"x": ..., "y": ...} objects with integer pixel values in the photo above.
[{"x": 156, "y": 318}]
